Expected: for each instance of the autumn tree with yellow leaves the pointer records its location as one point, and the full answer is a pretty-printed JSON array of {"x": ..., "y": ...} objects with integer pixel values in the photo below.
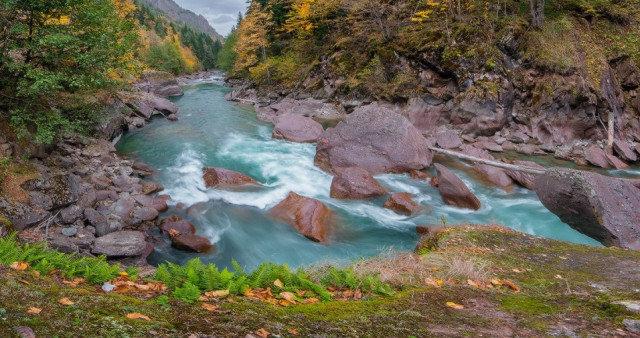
[{"x": 253, "y": 41}]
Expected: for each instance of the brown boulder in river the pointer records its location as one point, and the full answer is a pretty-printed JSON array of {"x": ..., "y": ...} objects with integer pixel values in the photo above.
[
  {"x": 307, "y": 215},
  {"x": 355, "y": 183},
  {"x": 402, "y": 203},
  {"x": 191, "y": 243},
  {"x": 297, "y": 128},
  {"x": 604, "y": 208},
  {"x": 177, "y": 224},
  {"x": 453, "y": 191},
  {"x": 374, "y": 139},
  {"x": 219, "y": 177}
]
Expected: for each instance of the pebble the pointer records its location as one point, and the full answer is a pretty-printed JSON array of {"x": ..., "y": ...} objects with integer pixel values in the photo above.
[{"x": 69, "y": 232}]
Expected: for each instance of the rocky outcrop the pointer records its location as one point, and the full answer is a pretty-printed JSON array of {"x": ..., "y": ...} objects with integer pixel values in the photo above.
[
  {"x": 402, "y": 203},
  {"x": 525, "y": 179},
  {"x": 146, "y": 105},
  {"x": 355, "y": 183},
  {"x": 120, "y": 244},
  {"x": 453, "y": 191},
  {"x": 161, "y": 83},
  {"x": 191, "y": 243},
  {"x": 604, "y": 208},
  {"x": 220, "y": 178},
  {"x": 374, "y": 139},
  {"x": 483, "y": 112},
  {"x": 297, "y": 128},
  {"x": 309, "y": 216}
]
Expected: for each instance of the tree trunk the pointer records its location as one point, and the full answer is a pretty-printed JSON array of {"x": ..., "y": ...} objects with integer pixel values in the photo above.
[
  {"x": 537, "y": 13},
  {"x": 488, "y": 162},
  {"x": 611, "y": 123}
]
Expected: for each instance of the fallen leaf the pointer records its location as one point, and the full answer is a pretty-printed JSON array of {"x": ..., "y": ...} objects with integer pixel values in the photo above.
[
  {"x": 19, "y": 266},
  {"x": 35, "y": 273},
  {"x": 24, "y": 282},
  {"x": 203, "y": 299},
  {"x": 310, "y": 301},
  {"x": 123, "y": 273},
  {"x": 559, "y": 277},
  {"x": 278, "y": 283},
  {"x": 511, "y": 285},
  {"x": 293, "y": 332},
  {"x": 65, "y": 301},
  {"x": 263, "y": 333},
  {"x": 472, "y": 283},
  {"x": 455, "y": 306},
  {"x": 496, "y": 282},
  {"x": 432, "y": 282},
  {"x": 517, "y": 270},
  {"x": 210, "y": 307},
  {"x": 288, "y": 296},
  {"x": 284, "y": 302},
  {"x": 136, "y": 315},
  {"x": 173, "y": 232},
  {"x": 217, "y": 293},
  {"x": 358, "y": 294},
  {"x": 34, "y": 310}
]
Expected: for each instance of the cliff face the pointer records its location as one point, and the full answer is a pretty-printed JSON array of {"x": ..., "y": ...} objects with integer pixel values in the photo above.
[
  {"x": 184, "y": 16},
  {"x": 479, "y": 70}
]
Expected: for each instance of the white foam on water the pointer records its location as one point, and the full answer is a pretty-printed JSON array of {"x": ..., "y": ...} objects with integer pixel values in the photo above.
[{"x": 187, "y": 184}]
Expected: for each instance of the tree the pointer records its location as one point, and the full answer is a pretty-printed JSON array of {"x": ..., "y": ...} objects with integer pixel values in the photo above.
[
  {"x": 60, "y": 46},
  {"x": 536, "y": 8},
  {"x": 252, "y": 38}
]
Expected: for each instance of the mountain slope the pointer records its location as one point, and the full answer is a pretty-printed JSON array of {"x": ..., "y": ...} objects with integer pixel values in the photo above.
[{"x": 184, "y": 16}]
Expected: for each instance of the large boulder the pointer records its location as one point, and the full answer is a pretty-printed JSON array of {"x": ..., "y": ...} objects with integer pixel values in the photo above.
[
  {"x": 19, "y": 215},
  {"x": 177, "y": 224},
  {"x": 162, "y": 83},
  {"x": 309, "y": 216},
  {"x": 453, "y": 191},
  {"x": 355, "y": 183},
  {"x": 376, "y": 140},
  {"x": 316, "y": 109},
  {"x": 146, "y": 105},
  {"x": 596, "y": 156},
  {"x": 402, "y": 203},
  {"x": 604, "y": 208},
  {"x": 120, "y": 244},
  {"x": 219, "y": 177},
  {"x": 624, "y": 150},
  {"x": 61, "y": 190},
  {"x": 297, "y": 128},
  {"x": 525, "y": 179},
  {"x": 191, "y": 243}
]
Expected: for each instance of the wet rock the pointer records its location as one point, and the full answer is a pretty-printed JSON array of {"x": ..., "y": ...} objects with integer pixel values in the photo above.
[
  {"x": 70, "y": 214},
  {"x": 454, "y": 191},
  {"x": 120, "y": 244},
  {"x": 524, "y": 179},
  {"x": 178, "y": 224},
  {"x": 158, "y": 204},
  {"x": 142, "y": 169},
  {"x": 355, "y": 183},
  {"x": 526, "y": 149},
  {"x": 374, "y": 139},
  {"x": 448, "y": 140},
  {"x": 402, "y": 203},
  {"x": 616, "y": 162},
  {"x": 20, "y": 215},
  {"x": 172, "y": 118},
  {"x": 494, "y": 175},
  {"x": 604, "y": 208},
  {"x": 419, "y": 175},
  {"x": 219, "y": 177},
  {"x": 297, "y": 128},
  {"x": 144, "y": 214},
  {"x": 623, "y": 149},
  {"x": 151, "y": 187},
  {"x": 309, "y": 216},
  {"x": 596, "y": 156},
  {"x": 191, "y": 243}
]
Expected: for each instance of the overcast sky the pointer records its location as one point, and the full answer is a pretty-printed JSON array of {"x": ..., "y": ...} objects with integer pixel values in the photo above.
[{"x": 222, "y": 14}]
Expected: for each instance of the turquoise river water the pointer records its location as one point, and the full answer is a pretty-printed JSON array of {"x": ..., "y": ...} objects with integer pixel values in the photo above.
[{"x": 215, "y": 132}]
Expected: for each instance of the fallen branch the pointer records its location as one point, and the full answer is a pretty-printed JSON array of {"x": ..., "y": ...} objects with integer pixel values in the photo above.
[{"x": 502, "y": 165}]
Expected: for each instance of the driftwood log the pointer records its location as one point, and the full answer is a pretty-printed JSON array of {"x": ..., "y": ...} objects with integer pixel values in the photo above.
[{"x": 503, "y": 165}]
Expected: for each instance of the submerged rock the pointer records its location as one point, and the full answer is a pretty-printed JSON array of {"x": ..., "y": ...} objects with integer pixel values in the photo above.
[
  {"x": 219, "y": 177},
  {"x": 297, "y": 128},
  {"x": 309, "y": 216},
  {"x": 191, "y": 243},
  {"x": 374, "y": 139},
  {"x": 604, "y": 208},
  {"x": 453, "y": 191},
  {"x": 402, "y": 203},
  {"x": 355, "y": 183}
]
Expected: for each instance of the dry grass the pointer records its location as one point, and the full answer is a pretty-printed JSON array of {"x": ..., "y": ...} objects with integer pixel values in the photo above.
[
  {"x": 396, "y": 268},
  {"x": 464, "y": 268}
]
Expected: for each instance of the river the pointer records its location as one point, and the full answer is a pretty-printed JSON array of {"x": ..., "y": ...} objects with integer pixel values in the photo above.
[{"x": 218, "y": 133}]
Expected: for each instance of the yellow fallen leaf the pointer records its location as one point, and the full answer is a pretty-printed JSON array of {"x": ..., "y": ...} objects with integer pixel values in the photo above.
[
  {"x": 496, "y": 282},
  {"x": 19, "y": 266},
  {"x": 288, "y": 296},
  {"x": 203, "y": 299},
  {"x": 284, "y": 302},
  {"x": 559, "y": 277},
  {"x": 455, "y": 306},
  {"x": 263, "y": 333},
  {"x": 123, "y": 273},
  {"x": 136, "y": 315},
  {"x": 310, "y": 301},
  {"x": 278, "y": 283},
  {"x": 34, "y": 310},
  {"x": 65, "y": 301},
  {"x": 217, "y": 293},
  {"x": 210, "y": 307},
  {"x": 433, "y": 282},
  {"x": 472, "y": 283}
]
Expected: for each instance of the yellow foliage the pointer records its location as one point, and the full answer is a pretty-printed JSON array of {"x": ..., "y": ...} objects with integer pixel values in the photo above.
[{"x": 123, "y": 7}]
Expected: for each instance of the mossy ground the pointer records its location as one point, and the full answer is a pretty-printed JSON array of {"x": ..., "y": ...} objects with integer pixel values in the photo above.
[{"x": 566, "y": 289}]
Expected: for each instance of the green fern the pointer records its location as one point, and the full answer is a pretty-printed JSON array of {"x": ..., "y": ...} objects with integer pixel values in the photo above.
[{"x": 188, "y": 292}]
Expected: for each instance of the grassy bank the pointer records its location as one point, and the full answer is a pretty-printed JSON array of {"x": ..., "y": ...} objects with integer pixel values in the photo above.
[{"x": 480, "y": 280}]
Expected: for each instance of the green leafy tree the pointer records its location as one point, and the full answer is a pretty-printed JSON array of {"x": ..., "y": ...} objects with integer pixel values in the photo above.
[{"x": 50, "y": 49}]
